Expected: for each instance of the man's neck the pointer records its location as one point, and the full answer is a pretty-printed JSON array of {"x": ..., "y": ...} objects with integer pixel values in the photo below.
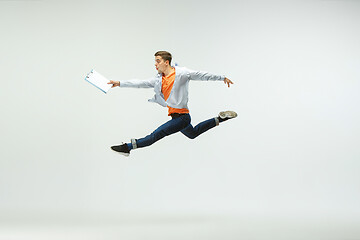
[{"x": 168, "y": 71}]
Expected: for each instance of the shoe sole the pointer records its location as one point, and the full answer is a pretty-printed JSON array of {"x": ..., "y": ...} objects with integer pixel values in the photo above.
[{"x": 228, "y": 114}]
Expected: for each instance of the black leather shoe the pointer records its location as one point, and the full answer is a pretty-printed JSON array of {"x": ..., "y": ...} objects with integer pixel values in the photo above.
[{"x": 122, "y": 149}]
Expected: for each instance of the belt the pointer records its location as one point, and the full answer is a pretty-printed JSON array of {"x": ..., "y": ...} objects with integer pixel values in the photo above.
[{"x": 176, "y": 115}]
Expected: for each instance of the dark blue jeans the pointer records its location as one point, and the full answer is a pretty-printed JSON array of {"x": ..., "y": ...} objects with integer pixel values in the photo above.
[{"x": 176, "y": 124}]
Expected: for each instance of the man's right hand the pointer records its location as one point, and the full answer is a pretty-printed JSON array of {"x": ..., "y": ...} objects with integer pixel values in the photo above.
[{"x": 114, "y": 83}]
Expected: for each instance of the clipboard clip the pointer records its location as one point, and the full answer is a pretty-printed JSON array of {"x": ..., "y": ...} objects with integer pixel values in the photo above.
[{"x": 92, "y": 71}]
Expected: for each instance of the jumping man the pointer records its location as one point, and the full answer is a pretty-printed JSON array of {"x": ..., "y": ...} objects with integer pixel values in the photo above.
[{"x": 171, "y": 90}]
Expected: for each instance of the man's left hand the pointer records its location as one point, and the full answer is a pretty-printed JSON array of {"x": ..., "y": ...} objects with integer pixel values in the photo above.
[{"x": 228, "y": 82}]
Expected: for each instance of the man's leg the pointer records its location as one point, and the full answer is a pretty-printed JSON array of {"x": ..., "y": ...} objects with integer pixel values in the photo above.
[
  {"x": 193, "y": 132},
  {"x": 168, "y": 128}
]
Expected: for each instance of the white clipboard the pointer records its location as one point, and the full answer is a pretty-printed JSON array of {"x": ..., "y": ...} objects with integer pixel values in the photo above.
[{"x": 98, "y": 80}]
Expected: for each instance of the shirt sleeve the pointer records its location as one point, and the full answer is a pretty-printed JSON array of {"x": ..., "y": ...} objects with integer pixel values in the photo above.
[
  {"x": 137, "y": 83},
  {"x": 204, "y": 76}
]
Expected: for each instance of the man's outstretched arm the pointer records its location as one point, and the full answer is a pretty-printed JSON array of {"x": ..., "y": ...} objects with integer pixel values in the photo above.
[
  {"x": 205, "y": 76},
  {"x": 135, "y": 83}
]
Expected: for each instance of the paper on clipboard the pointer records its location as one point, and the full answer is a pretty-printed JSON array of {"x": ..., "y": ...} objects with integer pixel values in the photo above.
[{"x": 98, "y": 81}]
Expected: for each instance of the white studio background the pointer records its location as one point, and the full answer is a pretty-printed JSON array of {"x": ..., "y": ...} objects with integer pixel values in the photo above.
[{"x": 292, "y": 152}]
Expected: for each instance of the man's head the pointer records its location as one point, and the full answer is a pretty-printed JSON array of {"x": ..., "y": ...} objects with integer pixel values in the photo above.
[{"x": 162, "y": 60}]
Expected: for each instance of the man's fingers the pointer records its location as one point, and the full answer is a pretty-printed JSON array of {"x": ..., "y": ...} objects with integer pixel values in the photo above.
[{"x": 228, "y": 82}]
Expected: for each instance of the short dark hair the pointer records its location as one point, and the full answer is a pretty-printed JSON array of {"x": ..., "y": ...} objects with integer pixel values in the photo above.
[{"x": 164, "y": 55}]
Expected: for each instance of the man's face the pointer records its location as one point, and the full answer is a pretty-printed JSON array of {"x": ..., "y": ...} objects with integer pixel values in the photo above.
[{"x": 160, "y": 64}]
